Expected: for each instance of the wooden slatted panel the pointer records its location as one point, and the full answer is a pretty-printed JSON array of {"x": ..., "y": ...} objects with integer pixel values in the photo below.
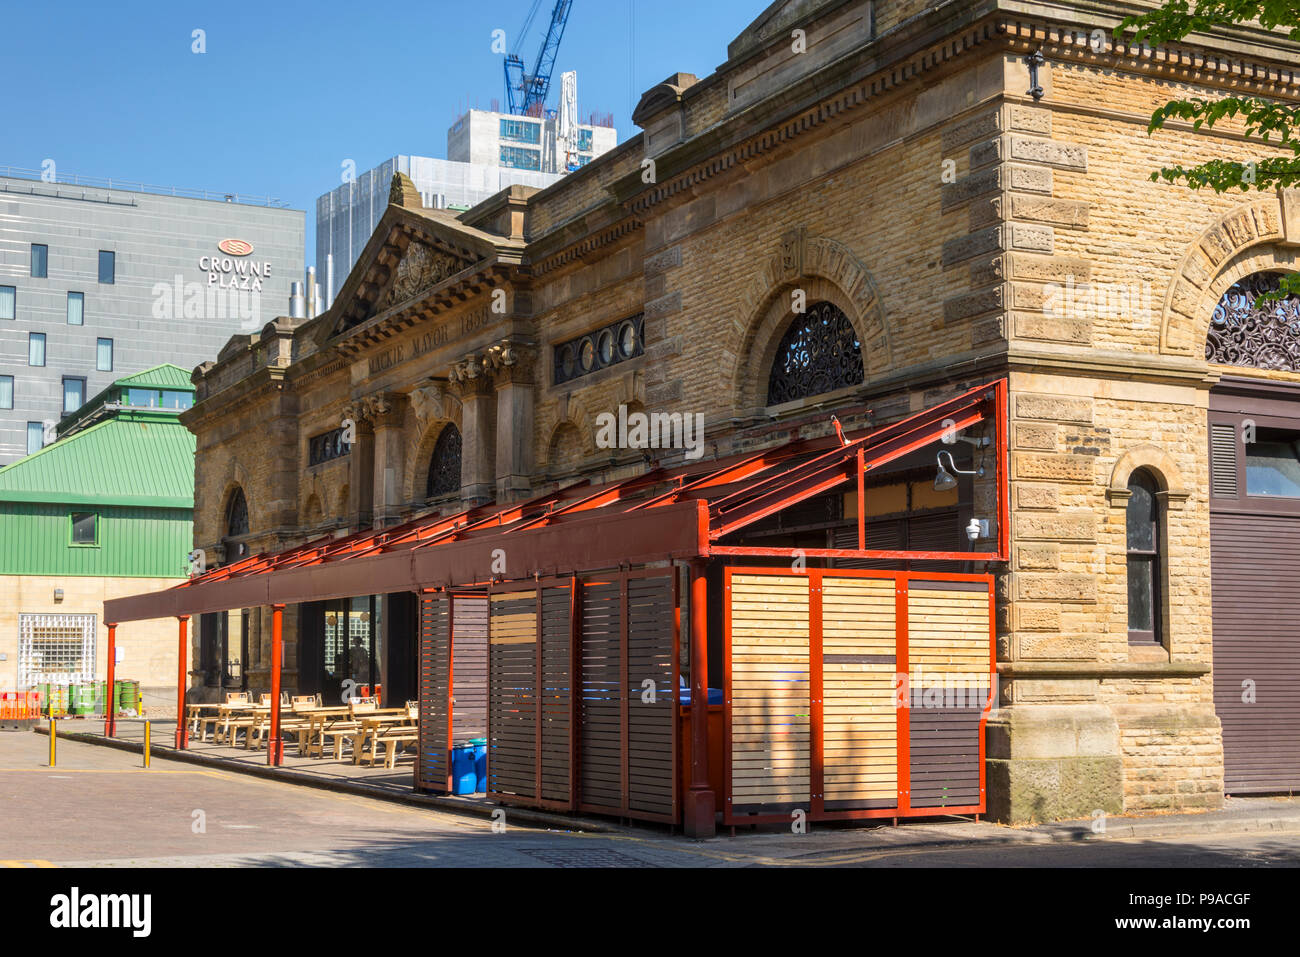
[
  {"x": 859, "y": 717},
  {"x": 1255, "y": 593},
  {"x": 512, "y": 706},
  {"x": 944, "y": 744},
  {"x": 771, "y": 736},
  {"x": 949, "y": 652},
  {"x": 651, "y": 780},
  {"x": 881, "y": 536},
  {"x": 433, "y": 693},
  {"x": 557, "y": 689},
  {"x": 600, "y": 738},
  {"x": 469, "y": 653}
]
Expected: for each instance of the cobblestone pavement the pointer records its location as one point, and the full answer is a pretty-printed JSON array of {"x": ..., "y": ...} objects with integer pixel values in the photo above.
[{"x": 98, "y": 807}]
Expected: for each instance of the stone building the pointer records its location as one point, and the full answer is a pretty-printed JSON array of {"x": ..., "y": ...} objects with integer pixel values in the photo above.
[{"x": 869, "y": 207}]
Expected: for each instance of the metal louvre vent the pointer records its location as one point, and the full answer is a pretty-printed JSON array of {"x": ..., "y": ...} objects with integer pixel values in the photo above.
[
  {"x": 1223, "y": 461},
  {"x": 55, "y": 649}
]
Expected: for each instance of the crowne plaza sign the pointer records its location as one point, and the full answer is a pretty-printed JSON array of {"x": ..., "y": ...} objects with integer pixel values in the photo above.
[{"x": 234, "y": 270}]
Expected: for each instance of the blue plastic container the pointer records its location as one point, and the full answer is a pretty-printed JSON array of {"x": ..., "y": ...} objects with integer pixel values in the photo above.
[
  {"x": 464, "y": 778},
  {"x": 480, "y": 763}
]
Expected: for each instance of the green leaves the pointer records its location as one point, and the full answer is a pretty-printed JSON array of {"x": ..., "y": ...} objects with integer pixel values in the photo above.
[{"x": 1177, "y": 19}]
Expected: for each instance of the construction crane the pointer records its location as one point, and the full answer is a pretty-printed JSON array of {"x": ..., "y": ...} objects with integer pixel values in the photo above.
[{"x": 526, "y": 92}]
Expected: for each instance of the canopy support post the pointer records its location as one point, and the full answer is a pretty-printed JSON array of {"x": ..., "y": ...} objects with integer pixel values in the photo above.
[
  {"x": 182, "y": 655},
  {"x": 110, "y": 713},
  {"x": 698, "y": 814},
  {"x": 274, "y": 745}
]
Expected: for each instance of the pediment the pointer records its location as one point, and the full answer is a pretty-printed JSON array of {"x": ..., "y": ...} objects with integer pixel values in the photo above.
[{"x": 409, "y": 254}]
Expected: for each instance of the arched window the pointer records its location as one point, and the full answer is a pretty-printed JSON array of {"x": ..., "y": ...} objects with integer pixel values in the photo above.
[
  {"x": 444, "y": 464},
  {"x": 1145, "y": 571},
  {"x": 237, "y": 514},
  {"x": 1246, "y": 332},
  {"x": 819, "y": 353}
]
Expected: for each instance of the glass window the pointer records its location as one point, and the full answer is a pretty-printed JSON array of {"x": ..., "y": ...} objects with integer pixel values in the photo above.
[
  {"x": 104, "y": 355},
  {"x": 1273, "y": 463},
  {"x": 85, "y": 528},
  {"x": 74, "y": 394},
  {"x": 515, "y": 157},
  {"x": 176, "y": 399},
  {"x": 584, "y": 140},
  {"x": 819, "y": 353},
  {"x": 40, "y": 260},
  {"x": 521, "y": 130},
  {"x": 8, "y": 302},
  {"x": 6, "y": 392},
  {"x": 36, "y": 348},
  {"x": 142, "y": 398},
  {"x": 107, "y": 266},
  {"x": 1142, "y": 523},
  {"x": 35, "y": 437},
  {"x": 76, "y": 309}
]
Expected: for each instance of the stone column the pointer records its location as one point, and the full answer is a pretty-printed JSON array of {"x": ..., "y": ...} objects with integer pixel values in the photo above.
[
  {"x": 388, "y": 413},
  {"x": 361, "y": 467},
  {"x": 512, "y": 365},
  {"x": 473, "y": 383}
]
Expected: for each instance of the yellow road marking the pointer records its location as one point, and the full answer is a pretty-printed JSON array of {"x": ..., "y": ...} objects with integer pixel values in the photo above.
[{"x": 26, "y": 863}]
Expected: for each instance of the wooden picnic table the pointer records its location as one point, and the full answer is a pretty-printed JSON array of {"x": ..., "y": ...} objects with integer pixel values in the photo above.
[
  {"x": 376, "y": 728},
  {"x": 235, "y": 716},
  {"x": 194, "y": 718}
]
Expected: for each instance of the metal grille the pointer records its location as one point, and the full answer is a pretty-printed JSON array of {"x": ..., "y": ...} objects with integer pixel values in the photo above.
[
  {"x": 444, "y": 465},
  {"x": 1245, "y": 332},
  {"x": 819, "y": 353},
  {"x": 55, "y": 649},
  {"x": 1223, "y": 460}
]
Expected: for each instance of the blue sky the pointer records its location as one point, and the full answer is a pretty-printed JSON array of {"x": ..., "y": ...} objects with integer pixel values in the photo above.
[{"x": 287, "y": 90}]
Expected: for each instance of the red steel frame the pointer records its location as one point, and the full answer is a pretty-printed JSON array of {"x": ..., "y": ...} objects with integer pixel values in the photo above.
[{"x": 902, "y": 666}]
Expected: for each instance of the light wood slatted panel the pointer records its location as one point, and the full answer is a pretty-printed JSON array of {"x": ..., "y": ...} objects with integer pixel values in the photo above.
[
  {"x": 771, "y": 727},
  {"x": 859, "y": 721},
  {"x": 469, "y": 652},
  {"x": 948, "y": 632}
]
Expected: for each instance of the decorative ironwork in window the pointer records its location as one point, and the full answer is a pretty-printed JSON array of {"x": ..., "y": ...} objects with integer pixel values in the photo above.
[
  {"x": 444, "y": 464},
  {"x": 326, "y": 446},
  {"x": 237, "y": 515},
  {"x": 597, "y": 350},
  {"x": 1264, "y": 335},
  {"x": 819, "y": 353}
]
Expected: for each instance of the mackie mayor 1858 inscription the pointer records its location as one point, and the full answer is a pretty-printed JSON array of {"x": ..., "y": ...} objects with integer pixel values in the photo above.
[{"x": 428, "y": 341}]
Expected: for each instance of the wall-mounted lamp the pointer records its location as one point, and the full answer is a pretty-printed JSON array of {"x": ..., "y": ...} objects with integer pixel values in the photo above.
[
  {"x": 946, "y": 478},
  {"x": 58, "y": 595}
]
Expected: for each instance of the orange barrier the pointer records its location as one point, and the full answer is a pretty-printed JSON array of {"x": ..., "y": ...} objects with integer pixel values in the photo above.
[{"x": 19, "y": 705}]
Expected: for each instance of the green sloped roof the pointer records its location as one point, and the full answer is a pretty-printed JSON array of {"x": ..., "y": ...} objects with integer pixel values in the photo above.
[
  {"x": 165, "y": 376},
  {"x": 138, "y": 458}
]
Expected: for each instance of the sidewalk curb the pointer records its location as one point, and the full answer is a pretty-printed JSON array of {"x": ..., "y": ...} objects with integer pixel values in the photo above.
[{"x": 439, "y": 802}]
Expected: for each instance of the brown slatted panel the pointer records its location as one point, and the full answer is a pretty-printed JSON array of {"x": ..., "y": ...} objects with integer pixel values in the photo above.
[
  {"x": 512, "y": 706},
  {"x": 944, "y": 744},
  {"x": 859, "y": 718},
  {"x": 469, "y": 652},
  {"x": 557, "y": 688},
  {"x": 1223, "y": 460},
  {"x": 937, "y": 533},
  {"x": 432, "y": 764},
  {"x": 650, "y": 723},
  {"x": 771, "y": 727},
  {"x": 1255, "y": 594},
  {"x": 949, "y": 661},
  {"x": 881, "y": 536},
  {"x": 601, "y": 735}
]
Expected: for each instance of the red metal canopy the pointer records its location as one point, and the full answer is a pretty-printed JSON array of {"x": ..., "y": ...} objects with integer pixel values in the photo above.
[{"x": 661, "y": 515}]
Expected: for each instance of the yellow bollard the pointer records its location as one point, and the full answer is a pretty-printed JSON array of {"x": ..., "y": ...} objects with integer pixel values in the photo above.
[
  {"x": 53, "y": 735},
  {"x": 146, "y": 744}
]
